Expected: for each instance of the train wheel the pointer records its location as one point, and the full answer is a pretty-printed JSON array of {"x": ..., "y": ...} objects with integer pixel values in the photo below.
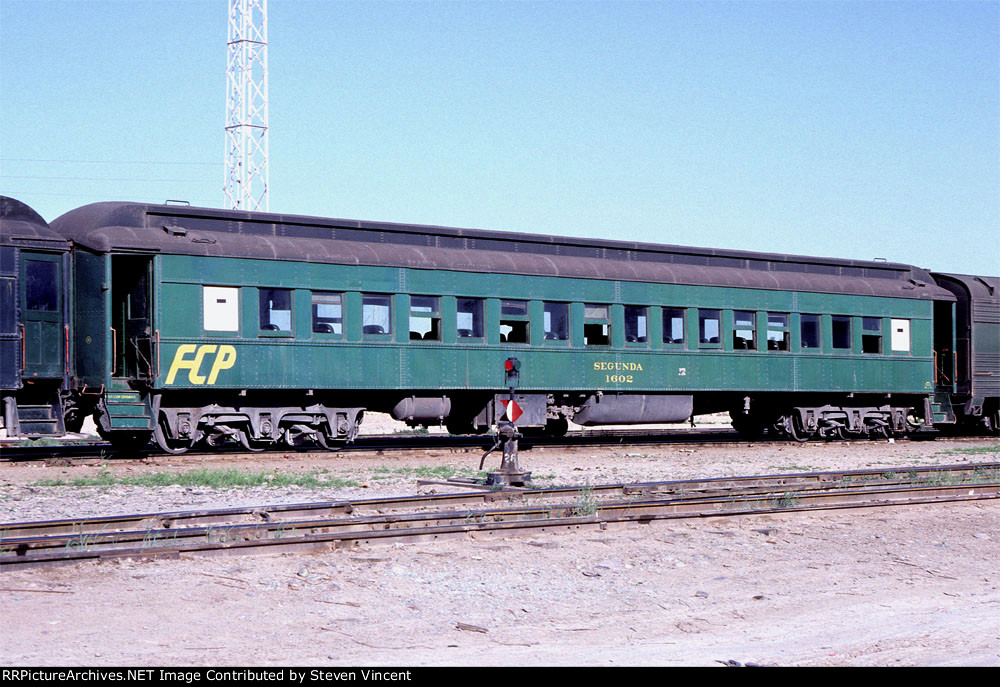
[
  {"x": 795, "y": 429},
  {"x": 327, "y": 443},
  {"x": 251, "y": 444},
  {"x": 172, "y": 446}
]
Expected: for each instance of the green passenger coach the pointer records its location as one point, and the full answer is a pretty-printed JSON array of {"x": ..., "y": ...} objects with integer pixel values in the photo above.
[{"x": 196, "y": 324}]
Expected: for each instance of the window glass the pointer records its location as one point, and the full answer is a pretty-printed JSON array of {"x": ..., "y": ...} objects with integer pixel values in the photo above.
[
  {"x": 778, "y": 335},
  {"x": 425, "y": 318},
  {"x": 376, "y": 314},
  {"x": 673, "y": 325},
  {"x": 514, "y": 322},
  {"x": 596, "y": 325},
  {"x": 41, "y": 287},
  {"x": 556, "y": 321},
  {"x": 744, "y": 331},
  {"x": 841, "y": 332},
  {"x": 636, "y": 321},
  {"x": 470, "y": 318},
  {"x": 709, "y": 326},
  {"x": 514, "y": 308},
  {"x": 327, "y": 313},
  {"x": 276, "y": 310},
  {"x": 810, "y": 329}
]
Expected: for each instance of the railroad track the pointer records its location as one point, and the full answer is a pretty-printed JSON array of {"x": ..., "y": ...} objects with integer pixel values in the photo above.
[
  {"x": 335, "y": 524},
  {"x": 21, "y": 451}
]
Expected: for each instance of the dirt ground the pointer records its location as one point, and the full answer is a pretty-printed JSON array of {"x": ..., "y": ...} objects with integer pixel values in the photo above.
[{"x": 902, "y": 586}]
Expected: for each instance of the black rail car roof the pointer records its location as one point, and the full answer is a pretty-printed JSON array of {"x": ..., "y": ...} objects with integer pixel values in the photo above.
[
  {"x": 22, "y": 226},
  {"x": 105, "y": 227}
]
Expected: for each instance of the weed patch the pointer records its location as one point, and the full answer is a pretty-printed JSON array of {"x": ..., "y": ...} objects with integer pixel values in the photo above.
[{"x": 212, "y": 479}]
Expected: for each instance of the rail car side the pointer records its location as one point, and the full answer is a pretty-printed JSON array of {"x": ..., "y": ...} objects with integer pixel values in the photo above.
[
  {"x": 34, "y": 325},
  {"x": 222, "y": 325}
]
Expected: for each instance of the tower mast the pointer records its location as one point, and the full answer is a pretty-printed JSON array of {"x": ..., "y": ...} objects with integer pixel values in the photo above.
[{"x": 246, "y": 182}]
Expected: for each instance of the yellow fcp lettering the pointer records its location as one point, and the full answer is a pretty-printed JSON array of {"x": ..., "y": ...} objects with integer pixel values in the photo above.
[
  {"x": 180, "y": 363},
  {"x": 225, "y": 359}
]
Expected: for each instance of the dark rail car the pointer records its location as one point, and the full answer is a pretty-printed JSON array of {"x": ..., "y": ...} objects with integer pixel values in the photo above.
[{"x": 35, "y": 343}]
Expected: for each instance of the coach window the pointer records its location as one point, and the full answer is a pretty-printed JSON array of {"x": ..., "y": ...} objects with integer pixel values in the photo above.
[
  {"x": 636, "y": 324},
  {"x": 327, "y": 313},
  {"x": 744, "y": 330},
  {"x": 596, "y": 325},
  {"x": 275, "y": 310},
  {"x": 709, "y": 328},
  {"x": 809, "y": 328},
  {"x": 470, "y": 318},
  {"x": 841, "y": 332},
  {"x": 673, "y": 325},
  {"x": 871, "y": 335},
  {"x": 41, "y": 285},
  {"x": 777, "y": 331},
  {"x": 514, "y": 322},
  {"x": 376, "y": 314},
  {"x": 556, "y": 321},
  {"x": 425, "y": 318}
]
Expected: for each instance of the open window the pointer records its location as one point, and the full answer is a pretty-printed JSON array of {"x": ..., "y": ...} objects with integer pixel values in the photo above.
[
  {"x": 745, "y": 330},
  {"x": 425, "y": 318},
  {"x": 778, "y": 333},
  {"x": 514, "y": 322},
  {"x": 871, "y": 335},
  {"x": 596, "y": 325}
]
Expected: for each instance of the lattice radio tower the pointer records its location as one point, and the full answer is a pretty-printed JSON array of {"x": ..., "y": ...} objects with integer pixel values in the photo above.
[{"x": 246, "y": 181}]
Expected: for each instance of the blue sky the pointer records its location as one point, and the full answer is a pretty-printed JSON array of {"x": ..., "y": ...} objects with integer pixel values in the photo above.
[{"x": 842, "y": 129}]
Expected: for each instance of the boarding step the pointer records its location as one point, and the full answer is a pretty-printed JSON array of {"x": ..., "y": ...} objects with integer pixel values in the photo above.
[
  {"x": 38, "y": 418},
  {"x": 128, "y": 410},
  {"x": 940, "y": 410}
]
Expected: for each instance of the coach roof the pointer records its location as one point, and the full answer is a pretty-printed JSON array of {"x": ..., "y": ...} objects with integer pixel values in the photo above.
[
  {"x": 22, "y": 226},
  {"x": 171, "y": 229}
]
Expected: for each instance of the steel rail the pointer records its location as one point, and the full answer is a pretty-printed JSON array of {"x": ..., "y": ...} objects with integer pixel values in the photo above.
[
  {"x": 84, "y": 449},
  {"x": 19, "y": 450},
  {"x": 707, "y": 486},
  {"x": 277, "y": 512},
  {"x": 333, "y": 532}
]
